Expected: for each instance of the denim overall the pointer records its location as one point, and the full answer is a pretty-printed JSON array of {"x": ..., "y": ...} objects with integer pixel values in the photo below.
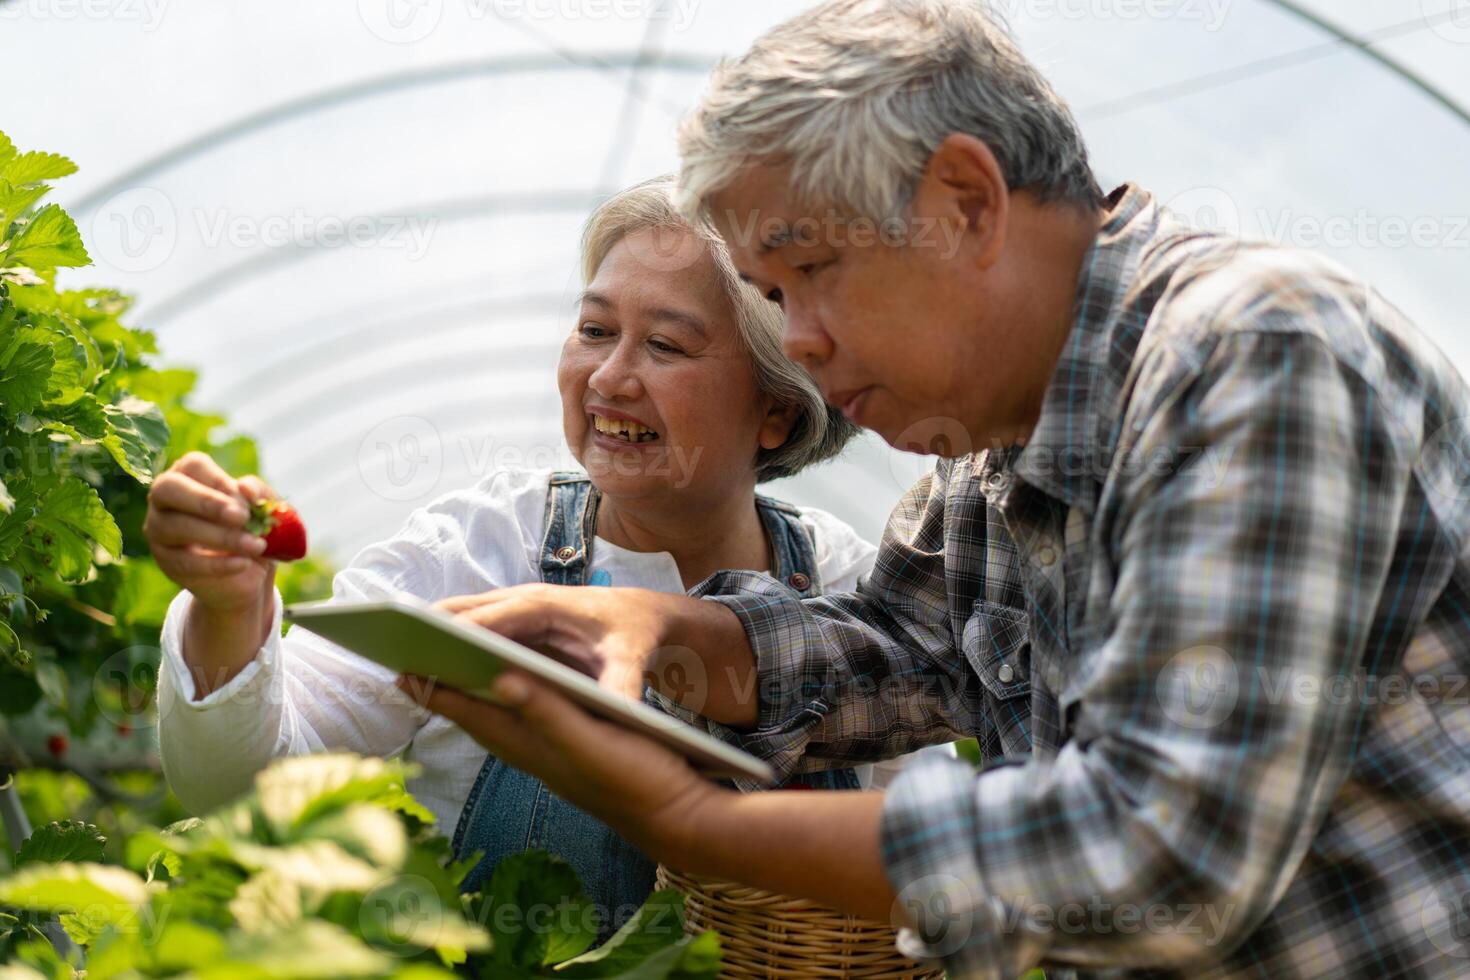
[{"x": 509, "y": 811}]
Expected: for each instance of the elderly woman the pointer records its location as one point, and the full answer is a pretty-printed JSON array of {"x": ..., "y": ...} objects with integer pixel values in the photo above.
[{"x": 676, "y": 400}]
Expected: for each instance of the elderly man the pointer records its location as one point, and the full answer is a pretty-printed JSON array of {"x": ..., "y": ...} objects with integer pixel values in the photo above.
[{"x": 1193, "y": 564}]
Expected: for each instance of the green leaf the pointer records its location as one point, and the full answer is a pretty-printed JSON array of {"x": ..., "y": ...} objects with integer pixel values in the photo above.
[
  {"x": 73, "y": 517},
  {"x": 295, "y": 790},
  {"x": 15, "y": 200},
  {"x": 139, "y": 437},
  {"x": 536, "y": 912},
  {"x": 30, "y": 168},
  {"x": 25, "y": 375},
  {"x": 7, "y": 148},
  {"x": 144, "y": 596},
  {"x": 7, "y": 502},
  {"x": 308, "y": 950},
  {"x": 105, "y": 892},
  {"x": 364, "y": 830},
  {"x": 63, "y": 840},
  {"x": 657, "y": 925},
  {"x": 48, "y": 240}
]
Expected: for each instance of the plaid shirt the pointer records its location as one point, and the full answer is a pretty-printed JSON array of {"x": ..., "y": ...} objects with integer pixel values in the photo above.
[{"x": 1211, "y": 625}]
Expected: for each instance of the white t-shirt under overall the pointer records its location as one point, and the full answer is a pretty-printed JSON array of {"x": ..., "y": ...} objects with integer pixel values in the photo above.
[{"x": 304, "y": 694}]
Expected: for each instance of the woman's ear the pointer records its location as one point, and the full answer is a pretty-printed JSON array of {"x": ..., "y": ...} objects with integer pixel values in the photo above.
[{"x": 777, "y": 425}]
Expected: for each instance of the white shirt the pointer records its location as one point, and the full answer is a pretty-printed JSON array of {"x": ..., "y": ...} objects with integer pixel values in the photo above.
[{"x": 303, "y": 694}]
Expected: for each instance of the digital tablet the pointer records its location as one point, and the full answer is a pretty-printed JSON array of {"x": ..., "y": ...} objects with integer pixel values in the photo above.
[{"x": 424, "y": 640}]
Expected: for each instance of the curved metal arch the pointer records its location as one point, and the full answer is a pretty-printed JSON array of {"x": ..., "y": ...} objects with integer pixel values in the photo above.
[
  {"x": 371, "y": 87},
  {"x": 1338, "y": 39},
  {"x": 207, "y": 286}
]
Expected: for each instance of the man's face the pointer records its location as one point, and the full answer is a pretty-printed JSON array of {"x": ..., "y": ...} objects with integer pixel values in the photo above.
[{"x": 890, "y": 320}]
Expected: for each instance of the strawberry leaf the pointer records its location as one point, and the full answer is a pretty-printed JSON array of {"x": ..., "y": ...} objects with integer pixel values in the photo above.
[{"x": 48, "y": 240}]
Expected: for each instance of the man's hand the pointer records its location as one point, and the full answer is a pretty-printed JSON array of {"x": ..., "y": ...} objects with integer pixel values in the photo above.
[
  {"x": 636, "y": 786},
  {"x": 692, "y": 651}
]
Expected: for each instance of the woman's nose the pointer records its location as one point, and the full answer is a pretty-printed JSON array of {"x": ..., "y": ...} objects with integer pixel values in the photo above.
[{"x": 616, "y": 376}]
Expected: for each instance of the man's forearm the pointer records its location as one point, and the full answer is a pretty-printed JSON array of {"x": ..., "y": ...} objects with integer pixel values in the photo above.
[
  {"x": 823, "y": 846},
  {"x": 705, "y": 662}
]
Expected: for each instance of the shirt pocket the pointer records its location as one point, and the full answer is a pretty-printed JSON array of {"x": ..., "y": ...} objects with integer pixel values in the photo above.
[{"x": 997, "y": 643}]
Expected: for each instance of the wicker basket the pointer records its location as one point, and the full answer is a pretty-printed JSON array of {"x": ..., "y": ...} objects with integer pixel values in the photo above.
[{"x": 764, "y": 935}]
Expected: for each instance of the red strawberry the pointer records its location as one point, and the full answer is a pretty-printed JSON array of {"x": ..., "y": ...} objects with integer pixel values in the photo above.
[
  {"x": 278, "y": 522},
  {"x": 56, "y": 745}
]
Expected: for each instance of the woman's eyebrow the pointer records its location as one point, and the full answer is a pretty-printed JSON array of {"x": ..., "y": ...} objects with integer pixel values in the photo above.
[{"x": 680, "y": 317}]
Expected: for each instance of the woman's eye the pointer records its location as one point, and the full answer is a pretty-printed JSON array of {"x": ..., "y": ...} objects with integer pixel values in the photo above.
[
  {"x": 593, "y": 330},
  {"x": 774, "y": 296},
  {"x": 664, "y": 348}
]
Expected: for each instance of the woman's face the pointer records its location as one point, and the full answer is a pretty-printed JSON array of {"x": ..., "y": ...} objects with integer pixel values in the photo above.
[{"x": 658, "y": 393}]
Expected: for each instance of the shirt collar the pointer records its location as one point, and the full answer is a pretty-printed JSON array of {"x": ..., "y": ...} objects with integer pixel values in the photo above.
[{"x": 1070, "y": 450}]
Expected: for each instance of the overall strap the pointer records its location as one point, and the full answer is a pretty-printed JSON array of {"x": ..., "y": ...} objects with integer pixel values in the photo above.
[
  {"x": 791, "y": 546},
  {"x": 570, "y": 526}
]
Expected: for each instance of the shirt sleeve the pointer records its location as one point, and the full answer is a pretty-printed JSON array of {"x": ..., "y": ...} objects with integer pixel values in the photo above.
[
  {"x": 302, "y": 693},
  {"x": 863, "y": 675},
  {"x": 1165, "y": 828}
]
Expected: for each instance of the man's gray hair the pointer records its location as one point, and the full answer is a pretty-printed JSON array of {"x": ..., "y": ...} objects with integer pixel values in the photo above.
[
  {"x": 819, "y": 431},
  {"x": 855, "y": 95}
]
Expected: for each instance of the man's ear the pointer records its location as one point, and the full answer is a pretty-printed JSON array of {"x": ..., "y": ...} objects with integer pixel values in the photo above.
[
  {"x": 777, "y": 425},
  {"x": 963, "y": 191}
]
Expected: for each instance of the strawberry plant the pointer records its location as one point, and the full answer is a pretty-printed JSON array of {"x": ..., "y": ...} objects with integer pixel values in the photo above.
[{"x": 329, "y": 868}]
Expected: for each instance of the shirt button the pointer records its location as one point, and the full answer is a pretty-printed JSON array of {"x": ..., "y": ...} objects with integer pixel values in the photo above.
[
  {"x": 995, "y": 482},
  {"x": 566, "y": 553},
  {"x": 1047, "y": 556},
  {"x": 1007, "y": 673},
  {"x": 799, "y": 581}
]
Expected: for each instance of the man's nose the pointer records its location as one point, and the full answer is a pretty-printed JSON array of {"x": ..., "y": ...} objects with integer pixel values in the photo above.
[{"x": 803, "y": 338}]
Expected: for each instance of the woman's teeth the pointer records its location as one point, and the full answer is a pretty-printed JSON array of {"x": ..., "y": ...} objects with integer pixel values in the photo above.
[{"x": 627, "y": 431}]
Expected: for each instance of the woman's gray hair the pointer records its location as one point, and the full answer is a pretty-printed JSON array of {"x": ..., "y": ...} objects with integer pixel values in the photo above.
[
  {"x": 855, "y": 95},
  {"x": 819, "y": 431}
]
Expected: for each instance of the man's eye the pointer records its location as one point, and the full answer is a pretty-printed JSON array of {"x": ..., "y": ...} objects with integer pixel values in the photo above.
[{"x": 593, "y": 330}]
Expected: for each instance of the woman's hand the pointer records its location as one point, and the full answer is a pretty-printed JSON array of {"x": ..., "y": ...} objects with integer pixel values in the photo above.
[
  {"x": 195, "y": 528},
  {"x": 692, "y": 651},
  {"x": 639, "y": 788}
]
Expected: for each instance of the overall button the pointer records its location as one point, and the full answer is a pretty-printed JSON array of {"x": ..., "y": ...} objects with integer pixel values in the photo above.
[
  {"x": 1007, "y": 673},
  {"x": 799, "y": 581},
  {"x": 566, "y": 553}
]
